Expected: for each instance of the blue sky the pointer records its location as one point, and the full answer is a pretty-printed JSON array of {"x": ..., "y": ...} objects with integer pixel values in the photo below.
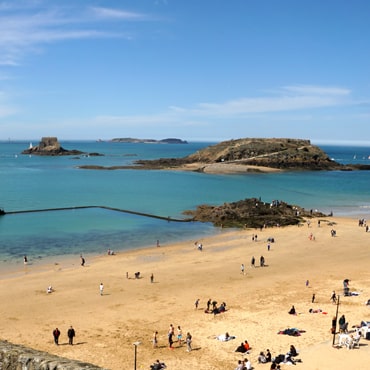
[{"x": 190, "y": 69}]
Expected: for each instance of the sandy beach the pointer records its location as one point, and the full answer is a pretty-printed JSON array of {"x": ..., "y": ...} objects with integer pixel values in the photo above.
[{"x": 131, "y": 310}]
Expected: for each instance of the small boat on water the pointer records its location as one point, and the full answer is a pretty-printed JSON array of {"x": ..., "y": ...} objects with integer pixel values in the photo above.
[{"x": 2, "y": 212}]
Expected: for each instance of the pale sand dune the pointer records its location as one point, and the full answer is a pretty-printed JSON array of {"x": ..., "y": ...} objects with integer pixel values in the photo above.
[{"x": 131, "y": 310}]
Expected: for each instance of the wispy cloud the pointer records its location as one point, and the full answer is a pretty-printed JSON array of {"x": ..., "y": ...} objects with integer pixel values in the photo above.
[
  {"x": 108, "y": 13},
  {"x": 317, "y": 90},
  {"x": 23, "y": 29},
  {"x": 289, "y": 99}
]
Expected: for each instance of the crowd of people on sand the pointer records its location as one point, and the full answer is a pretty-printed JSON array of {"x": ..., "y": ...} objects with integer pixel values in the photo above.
[
  {"x": 213, "y": 307},
  {"x": 171, "y": 335},
  {"x": 287, "y": 358}
]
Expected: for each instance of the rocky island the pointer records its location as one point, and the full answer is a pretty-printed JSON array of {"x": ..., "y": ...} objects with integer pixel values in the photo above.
[
  {"x": 252, "y": 213},
  {"x": 50, "y": 146},
  {"x": 246, "y": 155}
]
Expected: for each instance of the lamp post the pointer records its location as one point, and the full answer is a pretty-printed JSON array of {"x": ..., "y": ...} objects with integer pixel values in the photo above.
[
  {"x": 135, "y": 344},
  {"x": 336, "y": 318}
]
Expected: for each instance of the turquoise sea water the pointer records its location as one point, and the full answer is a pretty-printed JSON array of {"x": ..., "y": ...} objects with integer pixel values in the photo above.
[{"x": 33, "y": 182}]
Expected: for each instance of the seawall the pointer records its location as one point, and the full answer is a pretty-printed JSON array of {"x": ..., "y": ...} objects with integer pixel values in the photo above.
[{"x": 17, "y": 357}]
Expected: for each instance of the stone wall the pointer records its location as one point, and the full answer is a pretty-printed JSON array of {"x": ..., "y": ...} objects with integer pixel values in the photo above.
[{"x": 17, "y": 357}]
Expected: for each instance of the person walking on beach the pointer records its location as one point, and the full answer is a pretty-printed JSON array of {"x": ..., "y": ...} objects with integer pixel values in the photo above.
[
  {"x": 152, "y": 278},
  {"x": 101, "y": 288},
  {"x": 170, "y": 340},
  {"x": 179, "y": 336},
  {"x": 82, "y": 260},
  {"x": 262, "y": 261},
  {"x": 188, "y": 342},
  {"x": 333, "y": 297},
  {"x": 25, "y": 260},
  {"x": 242, "y": 268},
  {"x": 313, "y": 298},
  {"x": 209, "y": 304},
  {"x": 71, "y": 334},
  {"x": 155, "y": 339},
  {"x": 56, "y": 334},
  {"x": 196, "y": 304},
  {"x": 253, "y": 261}
]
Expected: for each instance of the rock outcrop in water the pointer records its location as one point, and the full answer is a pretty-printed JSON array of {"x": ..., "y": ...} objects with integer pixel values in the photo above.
[
  {"x": 50, "y": 146},
  {"x": 245, "y": 155},
  {"x": 252, "y": 213},
  {"x": 283, "y": 154},
  {"x": 14, "y": 357}
]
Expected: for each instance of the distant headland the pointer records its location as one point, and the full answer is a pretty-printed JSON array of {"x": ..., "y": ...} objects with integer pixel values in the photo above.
[{"x": 149, "y": 141}]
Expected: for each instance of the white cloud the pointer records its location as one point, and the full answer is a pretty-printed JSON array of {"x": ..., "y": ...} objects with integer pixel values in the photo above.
[
  {"x": 317, "y": 90},
  {"x": 247, "y": 107},
  {"x": 107, "y": 13},
  {"x": 24, "y": 29},
  {"x": 298, "y": 98}
]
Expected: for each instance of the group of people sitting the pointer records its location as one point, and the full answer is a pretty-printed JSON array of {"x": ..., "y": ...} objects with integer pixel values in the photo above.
[
  {"x": 243, "y": 347},
  {"x": 288, "y": 358},
  {"x": 215, "y": 309},
  {"x": 244, "y": 365},
  {"x": 263, "y": 358}
]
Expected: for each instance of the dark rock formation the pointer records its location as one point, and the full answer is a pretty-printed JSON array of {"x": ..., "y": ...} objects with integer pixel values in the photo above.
[
  {"x": 13, "y": 357},
  {"x": 51, "y": 147},
  {"x": 252, "y": 213},
  {"x": 163, "y": 141}
]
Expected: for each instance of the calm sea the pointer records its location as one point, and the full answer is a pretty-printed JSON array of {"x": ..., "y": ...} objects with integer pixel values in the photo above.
[{"x": 33, "y": 182}]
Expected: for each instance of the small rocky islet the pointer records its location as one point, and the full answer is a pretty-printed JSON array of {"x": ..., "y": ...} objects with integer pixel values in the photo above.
[{"x": 50, "y": 146}]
